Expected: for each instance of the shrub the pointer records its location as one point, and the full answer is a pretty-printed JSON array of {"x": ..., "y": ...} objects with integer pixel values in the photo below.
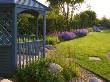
[
  {"x": 105, "y": 23},
  {"x": 68, "y": 73},
  {"x": 66, "y": 35},
  {"x": 69, "y": 68},
  {"x": 38, "y": 72},
  {"x": 53, "y": 33},
  {"x": 52, "y": 40},
  {"x": 84, "y": 19},
  {"x": 81, "y": 32}
]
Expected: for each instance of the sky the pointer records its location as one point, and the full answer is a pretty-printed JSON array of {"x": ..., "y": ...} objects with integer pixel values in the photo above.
[{"x": 101, "y": 7}]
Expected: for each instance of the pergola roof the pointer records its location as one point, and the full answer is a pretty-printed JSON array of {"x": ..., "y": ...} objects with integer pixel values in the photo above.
[{"x": 26, "y": 3}]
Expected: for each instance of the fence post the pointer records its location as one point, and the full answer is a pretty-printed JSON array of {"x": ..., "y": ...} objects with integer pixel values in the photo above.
[
  {"x": 37, "y": 36},
  {"x": 44, "y": 33},
  {"x": 14, "y": 37}
]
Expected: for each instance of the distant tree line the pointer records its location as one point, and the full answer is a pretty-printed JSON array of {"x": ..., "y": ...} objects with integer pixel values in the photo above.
[{"x": 61, "y": 18}]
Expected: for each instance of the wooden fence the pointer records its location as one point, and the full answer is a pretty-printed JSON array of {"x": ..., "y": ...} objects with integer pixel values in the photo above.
[{"x": 28, "y": 49}]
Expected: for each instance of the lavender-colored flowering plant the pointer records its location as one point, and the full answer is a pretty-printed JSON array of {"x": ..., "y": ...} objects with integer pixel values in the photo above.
[
  {"x": 66, "y": 35},
  {"x": 81, "y": 32}
]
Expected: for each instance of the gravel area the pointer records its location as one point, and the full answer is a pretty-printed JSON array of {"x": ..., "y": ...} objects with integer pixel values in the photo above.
[{"x": 87, "y": 76}]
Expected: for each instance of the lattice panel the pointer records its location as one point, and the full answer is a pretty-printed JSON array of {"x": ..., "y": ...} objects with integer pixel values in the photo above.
[{"x": 5, "y": 28}]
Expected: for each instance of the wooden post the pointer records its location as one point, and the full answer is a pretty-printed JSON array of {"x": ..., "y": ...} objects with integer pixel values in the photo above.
[
  {"x": 14, "y": 37},
  {"x": 44, "y": 34},
  {"x": 37, "y": 36}
]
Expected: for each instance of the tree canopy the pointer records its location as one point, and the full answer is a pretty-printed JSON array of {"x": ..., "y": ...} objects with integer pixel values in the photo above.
[
  {"x": 84, "y": 19},
  {"x": 65, "y": 8}
]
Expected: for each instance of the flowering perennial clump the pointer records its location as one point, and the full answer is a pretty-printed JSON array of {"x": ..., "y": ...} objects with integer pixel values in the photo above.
[
  {"x": 81, "y": 32},
  {"x": 67, "y": 35},
  {"x": 71, "y": 35}
]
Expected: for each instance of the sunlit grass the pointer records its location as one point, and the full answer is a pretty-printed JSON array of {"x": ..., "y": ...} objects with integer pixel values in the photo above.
[{"x": 80, "y": 49}]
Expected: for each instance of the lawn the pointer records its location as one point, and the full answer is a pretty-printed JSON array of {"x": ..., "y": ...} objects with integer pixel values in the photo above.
[{"x": 80, "y": 49}]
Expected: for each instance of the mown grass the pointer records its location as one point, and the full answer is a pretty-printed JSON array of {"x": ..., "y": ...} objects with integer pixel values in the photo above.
[{"x": 80, "y": 49}]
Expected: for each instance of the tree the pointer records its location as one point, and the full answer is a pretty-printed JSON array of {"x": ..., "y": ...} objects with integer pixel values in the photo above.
[
  {"x": 85, "y": 19},
  {"x": 104, "y": 22},
  {"x": 26, "y": 24},
  {"x": 66, "y": 8},
  {"x": 54, "y": 21}
]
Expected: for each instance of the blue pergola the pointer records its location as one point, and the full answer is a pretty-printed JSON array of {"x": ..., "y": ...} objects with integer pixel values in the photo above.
[{"x": 9, "y": 9}]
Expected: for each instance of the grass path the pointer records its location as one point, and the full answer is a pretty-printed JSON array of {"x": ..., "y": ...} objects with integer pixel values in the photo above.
[{"x": 94, "y": 44}]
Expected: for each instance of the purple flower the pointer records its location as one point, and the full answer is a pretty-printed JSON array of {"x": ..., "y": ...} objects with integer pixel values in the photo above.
[
  {"x": 81, "y": 32},
  {"x": 67, "y": 35}
]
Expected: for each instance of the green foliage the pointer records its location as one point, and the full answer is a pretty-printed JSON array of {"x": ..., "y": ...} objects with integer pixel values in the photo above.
[
  {"x": 52, "y": 40},
  {"x": 69, "y": 68},
  {"x": 37, "y": 71},
  {"x": 84, "y": 19},
  {"x": 68, "y": 73},
  {"x": 95, "y": 44},
  {"x": 104, "y": 22},
  {"x": 65, "y": 1},
  {"x": 26, "y": 24},
  {"x": 66, "y": 9},
  {"x": 55, "y": 21}
]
